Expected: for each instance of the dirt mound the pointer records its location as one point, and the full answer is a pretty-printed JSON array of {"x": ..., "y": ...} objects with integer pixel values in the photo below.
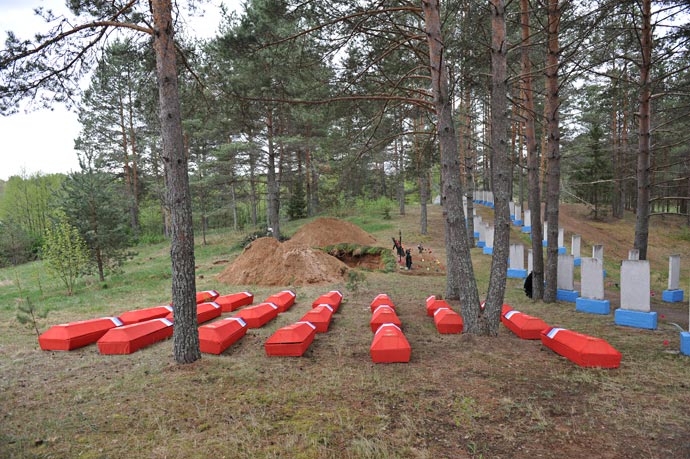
[
  {"x": 323, "y": 232},
  {"x": 268, "y": 262}
]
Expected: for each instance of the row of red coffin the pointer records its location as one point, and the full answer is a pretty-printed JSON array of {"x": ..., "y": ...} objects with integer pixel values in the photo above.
[{"x": 136, "y": 329}]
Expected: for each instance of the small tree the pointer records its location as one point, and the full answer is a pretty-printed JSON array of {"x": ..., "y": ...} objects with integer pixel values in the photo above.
[{"x": 65, "y": 252}]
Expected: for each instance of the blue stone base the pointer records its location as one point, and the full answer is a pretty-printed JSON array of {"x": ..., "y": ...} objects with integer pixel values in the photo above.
[
  {"x": 517, "y": 273},
  {"x": 578, "y": 261},
  {"x": 512, "y": 217},
  {"x": 476, "y": 234},
  {"x": 567, "y": 295},
  {"x": 685, "y": 343},
  {"x": 518, "y": 223},
  {"x": 636, "y": 319},
  {"x": 672, "y": 296},
  {"x": 490, "y": 204},
  {"x": 488, "y": 250},
  {"x": 481, "y": 244},
  {"x": 544, "y": 243},
  {"x": 593, "y": 306},
  {"x": 526, "y": 229},
  {"x": 604, "y": 273},
  {"x": 561, "y": 251}
]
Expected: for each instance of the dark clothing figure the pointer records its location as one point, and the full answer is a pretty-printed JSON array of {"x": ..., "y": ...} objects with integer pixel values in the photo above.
[
  {"x": 399, "y": 249},
  {"x": 408, "y": 259},
  {"x": 528, "y": 285},
  {"x": 420, "y": 247}
]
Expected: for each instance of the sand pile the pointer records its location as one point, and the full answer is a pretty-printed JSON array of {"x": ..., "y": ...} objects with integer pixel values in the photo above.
[
  {"x": 297, "y": 261},
  {"x": 330, "y": 231},
  {"x": 268, "y": 262}
]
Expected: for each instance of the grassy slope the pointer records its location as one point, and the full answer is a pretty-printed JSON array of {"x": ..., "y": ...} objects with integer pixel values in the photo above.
[{"x": 460, "y": 396}]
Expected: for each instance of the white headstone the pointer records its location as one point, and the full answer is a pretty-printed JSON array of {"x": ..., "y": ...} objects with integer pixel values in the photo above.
[
  {"x": 517, "y": 256},
  {"x": 633, "y": 254},
  {"x": 511, "y": 205},
  {"x": 674, "y": 272},
  {"x": 565, "y": 272},
  {"x": 477, "y": 222},
  {"x": 464, "y": 207},
  {"x": 575, "y": 245},
  {"x": 592, "y": 279},
  {"x": 528, "y": 218},
  {"x": 598, "y": 252},
  {"x": 545, "y": 235},
  {"x": 482, "y": 231},
  {"x": 489, "y": 235},
  {"x": 530, "y": 261},
  {"x": 518, "y": 212},
  {"x": 561, "y": 237},
  {"x": 635, "y": 285}
]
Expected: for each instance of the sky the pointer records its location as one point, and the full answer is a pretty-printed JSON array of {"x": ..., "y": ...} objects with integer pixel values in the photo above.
[{"x": 43, "y": 140}]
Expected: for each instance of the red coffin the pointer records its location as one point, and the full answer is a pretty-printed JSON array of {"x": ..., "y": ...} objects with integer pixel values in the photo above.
[
  {"x": 432, "y": 304},
  {"x": 523, "y": 325},
  {"x": 204, "y": 312},
  {"x": 259, "y": 315},
  {"x": 216, "y": 337},
  {"x": 291, "y": 341},
  {"x": 320, "y": 317},
  {"x": 65, "y": 337},
  {"x": 332, "y": 298},
  {"x": 206, "y": 296},
  {"x": 390, "y": 345},
  {"x": 131, "y": 338},
  {"x": 584, "y": 350},
  {"x": 447, "y": 321},
  {"x": 381, "y": 299},
  {"x": 229, "y": 303},
  {"x": 383, "y": 315},
  {"x": 505, "y": 308},
  {"x": 142, "y": 315},
  {"x": 284, "y": 300}
]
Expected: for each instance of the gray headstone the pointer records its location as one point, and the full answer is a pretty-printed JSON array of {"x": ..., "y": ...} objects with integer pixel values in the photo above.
[
  {"x": 598, "y": 252},
  {"x": 565, "y": 272},
  {"x": 489, "y": 235},
  {"x": 633, "y": 254},
  {"x": 530, "y": 261},
  {"x": 635, "y": 285},
  {"x": 575, "y": 247},
  {"x": 592, "y": 279},
  {"x": 482, "y": 231},
  {"x": 517, "y": 256},
  {"x": 561, "y": 237},
  {"x": 528, "y": 218},
  {"x": 511, "y": 205},
  {"x": 674, "y": 272},
  {"x": 545, "y": 234},
  {"x": 477, "y": 222}
]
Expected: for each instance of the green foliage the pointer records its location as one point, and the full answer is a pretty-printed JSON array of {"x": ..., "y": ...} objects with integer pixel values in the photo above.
[
  {"x": 355, "y": 279},
  {"x": 297, "y": 205},
  {"x": 91, "y": 201},
  {"x": 65, "y": 252}
]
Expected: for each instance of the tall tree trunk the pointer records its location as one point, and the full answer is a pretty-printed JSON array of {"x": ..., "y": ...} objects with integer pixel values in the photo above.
[
  {"x": 554, "y": 154},
  {"x": 252, "y": 183},
  {"x": 644, "y": 136},
  {"x": 502, "y": 174},
  {"x": 460, "y": 281},
  {"x": 624, "y": 149},
  {"x": 135, "y": 164},
  {"x": 272, "y": 183},
  {"x": 533, "y": 176},
  {"x": 424, "y": 199},
  {"x": 186, "y": 335},
  {"x": 400, "y": 162},
  {"x": 617, "y": 198},
  {"x": 469, "y": 165}
]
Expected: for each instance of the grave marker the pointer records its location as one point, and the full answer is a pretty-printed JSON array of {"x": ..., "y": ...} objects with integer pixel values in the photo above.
[
  {"x": 674, "y": 294},
  {"x": 635, "y": 306},
  {"x": 575, "y": 245},
  {"x": 592, "y": 288},
  {"x": 633, "y": 254},
  {"x": 518, "y": 215},
  {"x": 516, "y": 269},
  {"x": 527, "y": 226},
  {"x": 489, "y": 245},
  {"x": 566, "y": 290}
]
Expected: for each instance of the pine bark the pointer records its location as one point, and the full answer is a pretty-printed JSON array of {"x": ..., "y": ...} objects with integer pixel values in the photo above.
[
  {"x": 644, "y": 134},
  {"x": 554, "y": 154},
  {"x": 533, "y": 176},
  {"x": 186, "y": 335},
  {"x": 460, "y": 280},
  {"x": 501, "y": 172}
]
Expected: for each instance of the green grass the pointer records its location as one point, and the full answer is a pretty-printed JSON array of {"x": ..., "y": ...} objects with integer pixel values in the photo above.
[{"x": 460, "y": 396}]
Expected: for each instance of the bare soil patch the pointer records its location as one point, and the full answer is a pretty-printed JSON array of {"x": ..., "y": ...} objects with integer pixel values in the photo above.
[{"x": 330, "y": 231}]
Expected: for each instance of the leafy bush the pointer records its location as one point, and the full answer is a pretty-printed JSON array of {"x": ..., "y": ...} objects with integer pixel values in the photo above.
[{"x": 65, "y": 252}]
